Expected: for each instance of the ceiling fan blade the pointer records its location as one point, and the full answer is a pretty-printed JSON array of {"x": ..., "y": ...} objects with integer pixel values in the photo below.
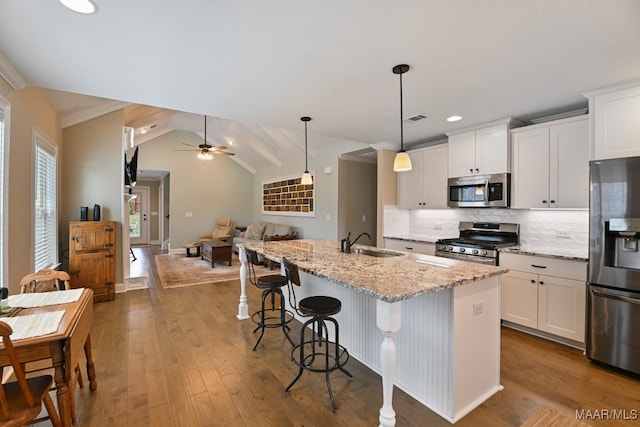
[
  {"x": 187, "y": 150},
  {"x": 224, "y": 153},
  {"x": 220, "y": 147},
  {"x": 190, "y": 145}
]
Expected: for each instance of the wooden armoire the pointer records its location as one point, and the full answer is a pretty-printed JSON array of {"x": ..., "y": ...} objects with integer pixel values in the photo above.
[{"x": 92, "y": 257}]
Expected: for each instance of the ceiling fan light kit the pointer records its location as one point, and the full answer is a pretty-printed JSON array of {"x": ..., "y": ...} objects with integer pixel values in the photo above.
[
  {"x": 402, "y": 162},
  {"x": 306, "y": 176},
  {"x": 205, "y": 150}
]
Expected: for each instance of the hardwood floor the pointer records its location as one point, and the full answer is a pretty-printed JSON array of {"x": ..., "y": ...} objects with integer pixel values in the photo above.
[{"x": 179, "y": 357}]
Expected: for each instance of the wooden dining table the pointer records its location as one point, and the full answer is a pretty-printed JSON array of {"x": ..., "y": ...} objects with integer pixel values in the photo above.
[{"x": 64, "y": 347}]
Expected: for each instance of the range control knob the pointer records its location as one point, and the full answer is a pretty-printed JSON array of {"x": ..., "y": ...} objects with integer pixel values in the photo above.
[
  {"x": 449, "y": 248},
  {"x": 475, "y": 252},
  {"x": 462, "y": 250},
  {"x": 482, "y": 252}
]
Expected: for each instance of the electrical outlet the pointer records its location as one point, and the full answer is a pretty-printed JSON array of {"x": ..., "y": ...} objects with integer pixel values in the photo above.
[
  {"x": 478, "y": 307},
  {"x": 364, "y": 218},
  {"x": 562, "y": 235},
  {"x": 188, "y": 214}
]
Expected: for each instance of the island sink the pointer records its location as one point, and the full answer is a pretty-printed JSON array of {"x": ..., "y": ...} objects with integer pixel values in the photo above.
[{"x": 370, "y": 252}]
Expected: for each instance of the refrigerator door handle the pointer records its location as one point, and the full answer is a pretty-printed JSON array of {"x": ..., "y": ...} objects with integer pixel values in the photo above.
[{"x": 616, "y": 297}]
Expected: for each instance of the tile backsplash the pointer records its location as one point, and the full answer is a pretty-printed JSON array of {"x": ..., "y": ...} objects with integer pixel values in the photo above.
[{"x": 564, "y": 229}]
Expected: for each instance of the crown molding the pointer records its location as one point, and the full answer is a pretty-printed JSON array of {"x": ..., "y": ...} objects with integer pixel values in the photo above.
[
  {"x": 385, "y": 146},
  {"x": 11, "y": 74},
  {"x": 92, "y": 112}
]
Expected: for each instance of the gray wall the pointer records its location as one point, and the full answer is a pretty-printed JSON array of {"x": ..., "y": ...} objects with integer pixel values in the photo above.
[
  {"x": 357, "y": 199},
  {"x": 325, "y": 224},
  {"x": 220, "y": 188},
  {"x": 93, "y": 174}
]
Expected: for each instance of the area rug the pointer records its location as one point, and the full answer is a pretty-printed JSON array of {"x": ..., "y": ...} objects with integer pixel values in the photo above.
[
  {"x": 178, "y": 270},
  {"x": 549, "y": 417}
]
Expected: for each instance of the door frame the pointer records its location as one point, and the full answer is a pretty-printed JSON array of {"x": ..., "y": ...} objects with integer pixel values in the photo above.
[{"x": 143, "y": 193}]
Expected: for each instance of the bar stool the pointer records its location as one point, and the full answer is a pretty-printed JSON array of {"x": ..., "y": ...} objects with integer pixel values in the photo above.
[
  {"x": 269, "y": 316},
  {"x": 330, "y": 355}
]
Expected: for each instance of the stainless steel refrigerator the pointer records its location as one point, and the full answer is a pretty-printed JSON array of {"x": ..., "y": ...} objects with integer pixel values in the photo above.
[{"x": 613, "y": 300}]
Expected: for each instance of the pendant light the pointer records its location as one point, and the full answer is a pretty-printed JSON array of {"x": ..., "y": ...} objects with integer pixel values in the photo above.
[
  {"x": 306, "y": 176},
  {"x": 402, "y": 162}
]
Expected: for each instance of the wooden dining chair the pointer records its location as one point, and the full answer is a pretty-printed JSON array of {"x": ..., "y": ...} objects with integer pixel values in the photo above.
[
  {"x": 48, "y": 280},
  {"x": 21, "y": 400},
  {"x": 45, "y": 280}
]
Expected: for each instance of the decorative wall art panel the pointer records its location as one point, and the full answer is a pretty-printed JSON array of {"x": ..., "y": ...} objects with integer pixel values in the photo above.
[{"x": 286, "y": 196}]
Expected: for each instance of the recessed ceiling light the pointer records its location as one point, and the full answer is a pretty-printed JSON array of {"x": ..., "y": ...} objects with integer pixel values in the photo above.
[
  {"x": 231, "y": 141},
  {"x": 81, "y": 6},
  {"x": 454, "y": 118},
  {"x": 143, "y": 130}
]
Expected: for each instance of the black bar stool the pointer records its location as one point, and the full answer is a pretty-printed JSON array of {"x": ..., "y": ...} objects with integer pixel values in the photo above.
[
  {"x": 330, "y": 355},
  {"x": 269, "y": 316}
]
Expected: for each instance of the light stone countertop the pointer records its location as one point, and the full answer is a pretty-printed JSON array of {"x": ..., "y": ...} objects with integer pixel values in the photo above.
[
  {"x": 547, "y": 252},
  {"x": 413, "y": 238},
  {"x": 388, "y": 279},
  {"x": 557, "y": 253}
]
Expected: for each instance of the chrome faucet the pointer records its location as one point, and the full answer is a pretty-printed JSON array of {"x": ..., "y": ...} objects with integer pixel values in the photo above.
[{"x": 345, "y": 244}]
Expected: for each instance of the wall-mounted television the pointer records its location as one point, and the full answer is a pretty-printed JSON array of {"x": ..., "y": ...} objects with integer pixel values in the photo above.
[{"x": 131, "y": 169}]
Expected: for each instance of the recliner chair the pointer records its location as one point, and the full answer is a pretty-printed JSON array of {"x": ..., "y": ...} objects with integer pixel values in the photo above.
[{"x": 221, "y": 231}]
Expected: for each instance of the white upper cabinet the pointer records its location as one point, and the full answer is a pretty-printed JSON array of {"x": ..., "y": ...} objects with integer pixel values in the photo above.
[
  {"x": 616, "y": 121},
  {"x": 480, "y": 151},
  {"x": 550, "y": 165},
  {"x": 425, "y": 185}
]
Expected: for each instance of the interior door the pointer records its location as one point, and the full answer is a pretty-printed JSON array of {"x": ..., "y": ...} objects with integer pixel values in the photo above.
[{"x": 139, "y": 216}]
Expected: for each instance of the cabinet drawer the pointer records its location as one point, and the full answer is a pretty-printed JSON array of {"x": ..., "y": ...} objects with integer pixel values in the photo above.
[
  {"x": 575, "y": 270},
  {"x": 407, "y": 246}
]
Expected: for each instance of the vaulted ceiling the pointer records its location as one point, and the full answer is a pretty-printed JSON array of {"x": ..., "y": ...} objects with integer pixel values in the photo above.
[{"x": 256, "y": 67}]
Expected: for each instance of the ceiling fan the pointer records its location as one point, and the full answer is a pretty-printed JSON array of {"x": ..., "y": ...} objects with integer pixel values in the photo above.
[{"x": 205, "y": 150}]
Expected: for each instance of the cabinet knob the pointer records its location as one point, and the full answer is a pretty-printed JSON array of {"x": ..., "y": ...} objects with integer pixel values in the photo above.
[
  {"x": 533, "y": 281},
  {"x": 541, "y": 282},
  {"x": 470, "y": 170},
  {"x": 544, "y": 201},
  {"x": 477, "y": 170},
  {"x": 552, "y": 201}
]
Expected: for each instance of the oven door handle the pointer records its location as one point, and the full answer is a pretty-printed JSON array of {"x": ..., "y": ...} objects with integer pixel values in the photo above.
[{"x": 616, "y": 297}]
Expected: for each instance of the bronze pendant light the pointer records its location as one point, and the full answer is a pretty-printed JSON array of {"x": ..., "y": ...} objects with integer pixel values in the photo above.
[
  {"x": 306, "y": 176},
  {"x": 402, "y": 162}
]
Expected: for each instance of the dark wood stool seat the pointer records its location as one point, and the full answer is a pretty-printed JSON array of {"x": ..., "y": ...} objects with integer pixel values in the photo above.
[
  {"x": 316, "y": 352},
  {"x": 270, "y": 315}
]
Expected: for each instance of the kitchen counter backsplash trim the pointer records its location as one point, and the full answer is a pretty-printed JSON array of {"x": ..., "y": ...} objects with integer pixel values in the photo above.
[{"x": 389, "y": 279}]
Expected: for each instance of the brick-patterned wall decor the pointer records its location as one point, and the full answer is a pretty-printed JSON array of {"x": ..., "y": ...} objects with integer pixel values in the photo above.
[{"x": 286, "y": 196}]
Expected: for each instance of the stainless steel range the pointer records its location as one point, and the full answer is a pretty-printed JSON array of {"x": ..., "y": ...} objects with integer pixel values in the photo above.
[{"x": 479, "y": 241}]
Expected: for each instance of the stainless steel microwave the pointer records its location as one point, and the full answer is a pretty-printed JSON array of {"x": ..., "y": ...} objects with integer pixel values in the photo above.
[{"x": 480, "y": 191}]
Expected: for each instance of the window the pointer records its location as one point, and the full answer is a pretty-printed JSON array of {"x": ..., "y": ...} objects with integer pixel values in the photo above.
[
  {"x": 4, "y": 135},
  {"x": 45, "y": 238}
]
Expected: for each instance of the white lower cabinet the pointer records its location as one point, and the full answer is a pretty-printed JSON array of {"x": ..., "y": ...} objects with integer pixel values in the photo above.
[
  {"x": 407, "y": 246},
  {"x": 546, "y": 294}
]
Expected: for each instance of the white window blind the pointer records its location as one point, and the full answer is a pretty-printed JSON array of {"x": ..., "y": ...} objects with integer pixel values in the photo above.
[
  {"x": 45, "y": 215},
  {"x": 3, "y": 109}
]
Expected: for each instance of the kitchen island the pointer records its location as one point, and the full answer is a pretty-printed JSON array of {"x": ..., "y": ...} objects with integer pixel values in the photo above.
[{"x": 447, "y": 354}]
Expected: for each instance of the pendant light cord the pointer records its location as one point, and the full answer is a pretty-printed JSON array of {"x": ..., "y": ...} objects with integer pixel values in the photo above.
[
  {"x": 401, "y": 124},
  {"x": 306, "y": 166}
]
